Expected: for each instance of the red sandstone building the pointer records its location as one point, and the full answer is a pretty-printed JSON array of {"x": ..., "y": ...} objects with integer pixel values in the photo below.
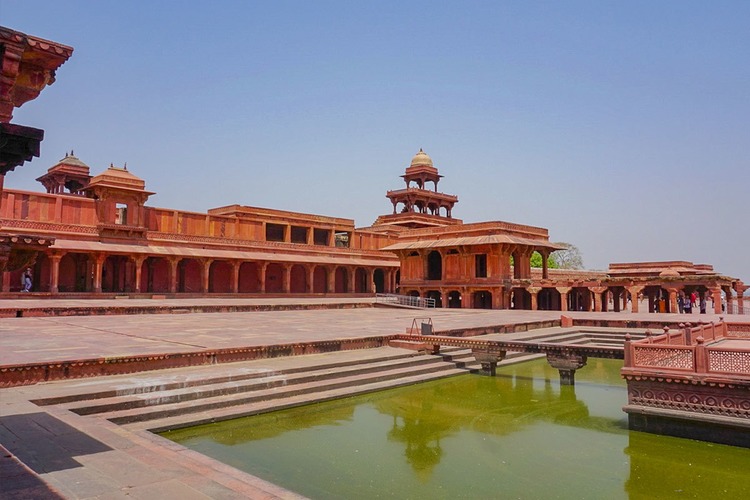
[{"x": 108, "y": 241}]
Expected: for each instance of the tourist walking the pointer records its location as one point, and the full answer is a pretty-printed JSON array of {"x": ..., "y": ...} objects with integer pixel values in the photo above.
[
  {"x": 681, "y": 303},
  {"x": 688, "y": 306},
  {"x": 26, "y": 280},
  {"x": 703, "y": 303}
]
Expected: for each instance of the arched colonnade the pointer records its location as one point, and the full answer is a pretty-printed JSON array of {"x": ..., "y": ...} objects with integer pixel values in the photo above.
[
  {"x": 599, "y": 298},
  {"x": 113, "y": 273}
]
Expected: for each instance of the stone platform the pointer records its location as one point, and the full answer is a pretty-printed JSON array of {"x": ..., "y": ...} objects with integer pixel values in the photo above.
[{"x": 85, "y": 457}]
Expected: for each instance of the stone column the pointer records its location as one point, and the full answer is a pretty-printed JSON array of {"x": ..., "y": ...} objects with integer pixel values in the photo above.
[
  {"x": 236, "y": 264},
  {"x": 310, "y": 278},
  {"x": 740, "y": 288},
  {"x": 597, "y": 292},
  {"x": 351, "y": 275},
  {"x": 98, "y": 265},
  {"x": 634, "y": 291},
  {"x": 673, "y": 292},
  {"x": 534, "y": 291},
  {"x": 371, "y": 280},
  {"x": 173, "y": 264},
  {"x": 332, "y": 279},
  {"x": 545, "y": 271},
  {"x": 54, "y": 275},
  {"x": 262, "y": 270},
  {"x": 566, "y": 364},
  {"x": 488, "y": 357},
  {"x": 138, "y": 263},
  {"x": 287, "y": 278},
  {"x": 728, "y": 296},
  {"x": 716, "y": 295},
  {"x": 564, "y": 291},
  {"x": 205, "y": 275}
]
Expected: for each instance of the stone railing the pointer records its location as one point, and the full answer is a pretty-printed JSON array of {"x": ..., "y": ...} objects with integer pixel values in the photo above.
[{"x": 691, "y": 350}]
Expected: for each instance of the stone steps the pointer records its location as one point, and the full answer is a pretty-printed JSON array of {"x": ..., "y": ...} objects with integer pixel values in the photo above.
[
  {"x": 206, "y": 394},
  {"x": 179, "y": 403}
]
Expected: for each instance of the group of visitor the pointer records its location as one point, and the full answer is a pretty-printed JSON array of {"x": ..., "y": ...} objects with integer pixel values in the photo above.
[{"x": 687, "y": 302}]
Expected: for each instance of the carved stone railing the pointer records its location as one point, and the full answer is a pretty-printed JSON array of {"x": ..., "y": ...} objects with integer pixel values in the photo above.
[{"x": 691, "y": 350}]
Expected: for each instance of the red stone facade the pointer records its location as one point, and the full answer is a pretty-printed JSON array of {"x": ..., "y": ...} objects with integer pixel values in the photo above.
[{"x": 108, "y": 240}]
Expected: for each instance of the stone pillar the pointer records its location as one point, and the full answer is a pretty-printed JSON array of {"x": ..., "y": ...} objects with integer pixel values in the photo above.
[
  {"x": 310, "y": 278},
  {"x": 673, "y": 292},
  {"x": 488, "y": 357},
  {"x": 262, "y": 269},
  {"x": 716, "y": 295},
  {"x": 465, "y": 299},
  {"x": 98, "y": 265},
  {"x": 205, "y": 275},
  {"x": 728, "y": 298},
  {"x": 534, "y": 291},
  {"x": 564, "y": 291},
  {"x": 545, "y": 264},
  {"x": 331, "y": 279},
  {"x": 566, "y": 364},
  {"x": 351, "y": 275},
  {"x": 634, "y": 291},
  {"x": 287, "y": 278},
  {"x": 54, "y": 274},
  {"x": 597, "y": 292},
  {"x": 173, "y": 264},
  {"x": 236, "y": 264},
  {"x": 444, "y": 298},
  {"x": 138, "y": 263},
  {"x": 740, "y": 288}
]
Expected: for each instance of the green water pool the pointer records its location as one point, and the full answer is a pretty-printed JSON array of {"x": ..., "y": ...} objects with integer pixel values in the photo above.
[{"x": 517, "y": 435}]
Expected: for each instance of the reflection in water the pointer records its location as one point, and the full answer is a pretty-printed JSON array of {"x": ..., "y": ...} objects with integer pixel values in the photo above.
[{"x": 519, "y": 434}]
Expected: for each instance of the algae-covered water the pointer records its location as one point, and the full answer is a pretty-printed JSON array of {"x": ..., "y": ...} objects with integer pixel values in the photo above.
[{"x": 518, "y": 435}]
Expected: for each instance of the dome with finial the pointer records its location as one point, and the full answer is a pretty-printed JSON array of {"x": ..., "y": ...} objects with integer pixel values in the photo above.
[
  {"x": 71, "y": 159},
  {"x": 421, "y": 158}
]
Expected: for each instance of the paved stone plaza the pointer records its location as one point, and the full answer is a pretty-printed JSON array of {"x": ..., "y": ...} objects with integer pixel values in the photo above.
[{"x": 84, "y": 457}]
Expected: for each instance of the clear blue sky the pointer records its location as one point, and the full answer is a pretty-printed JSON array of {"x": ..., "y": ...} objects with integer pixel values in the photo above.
[{"x": 622, "y": 127}]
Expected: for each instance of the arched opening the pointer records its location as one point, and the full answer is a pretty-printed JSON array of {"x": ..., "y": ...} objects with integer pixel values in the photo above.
[
  {"x": 320, "y": 280},
  {"x": 454, "y": 300},
  {"x": 579, "y": 299},
  {"x": 341, "y": 279},
  {"x": 520, "y": 299},
  {"x": 548, "y": 299},
  {"x": 379, "y": 279},
  {"x": 75, "y": 274},
  {"x": 249, "y": 278},
  {"x": 41, "y": 272},
  {"x": 436, "y": 296},
  {"x": 298, "y": 279},
  {"x": 434, "y": 266},
  {"x": 115, "y": 274},
  {"x": 155, "y": 275},
  {"x": 189, "y": 276},
  {"x": 274, "y": 278},
  {"x": 413, "y": 293},
  {"x": 482, "y": 300},
  {"x": 360, "y": 281},
  {"x": 220, "y": 275}
]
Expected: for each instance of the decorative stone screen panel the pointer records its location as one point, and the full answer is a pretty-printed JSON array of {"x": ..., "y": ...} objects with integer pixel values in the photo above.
[
  {"x": 729, "y": 361},
  {"x": 663, "y": 357}
]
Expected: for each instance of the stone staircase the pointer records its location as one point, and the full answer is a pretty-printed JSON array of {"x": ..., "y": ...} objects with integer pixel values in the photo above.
[
  {"x": 604, "y": 337},
  {"x": 157, "y": 403}
]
